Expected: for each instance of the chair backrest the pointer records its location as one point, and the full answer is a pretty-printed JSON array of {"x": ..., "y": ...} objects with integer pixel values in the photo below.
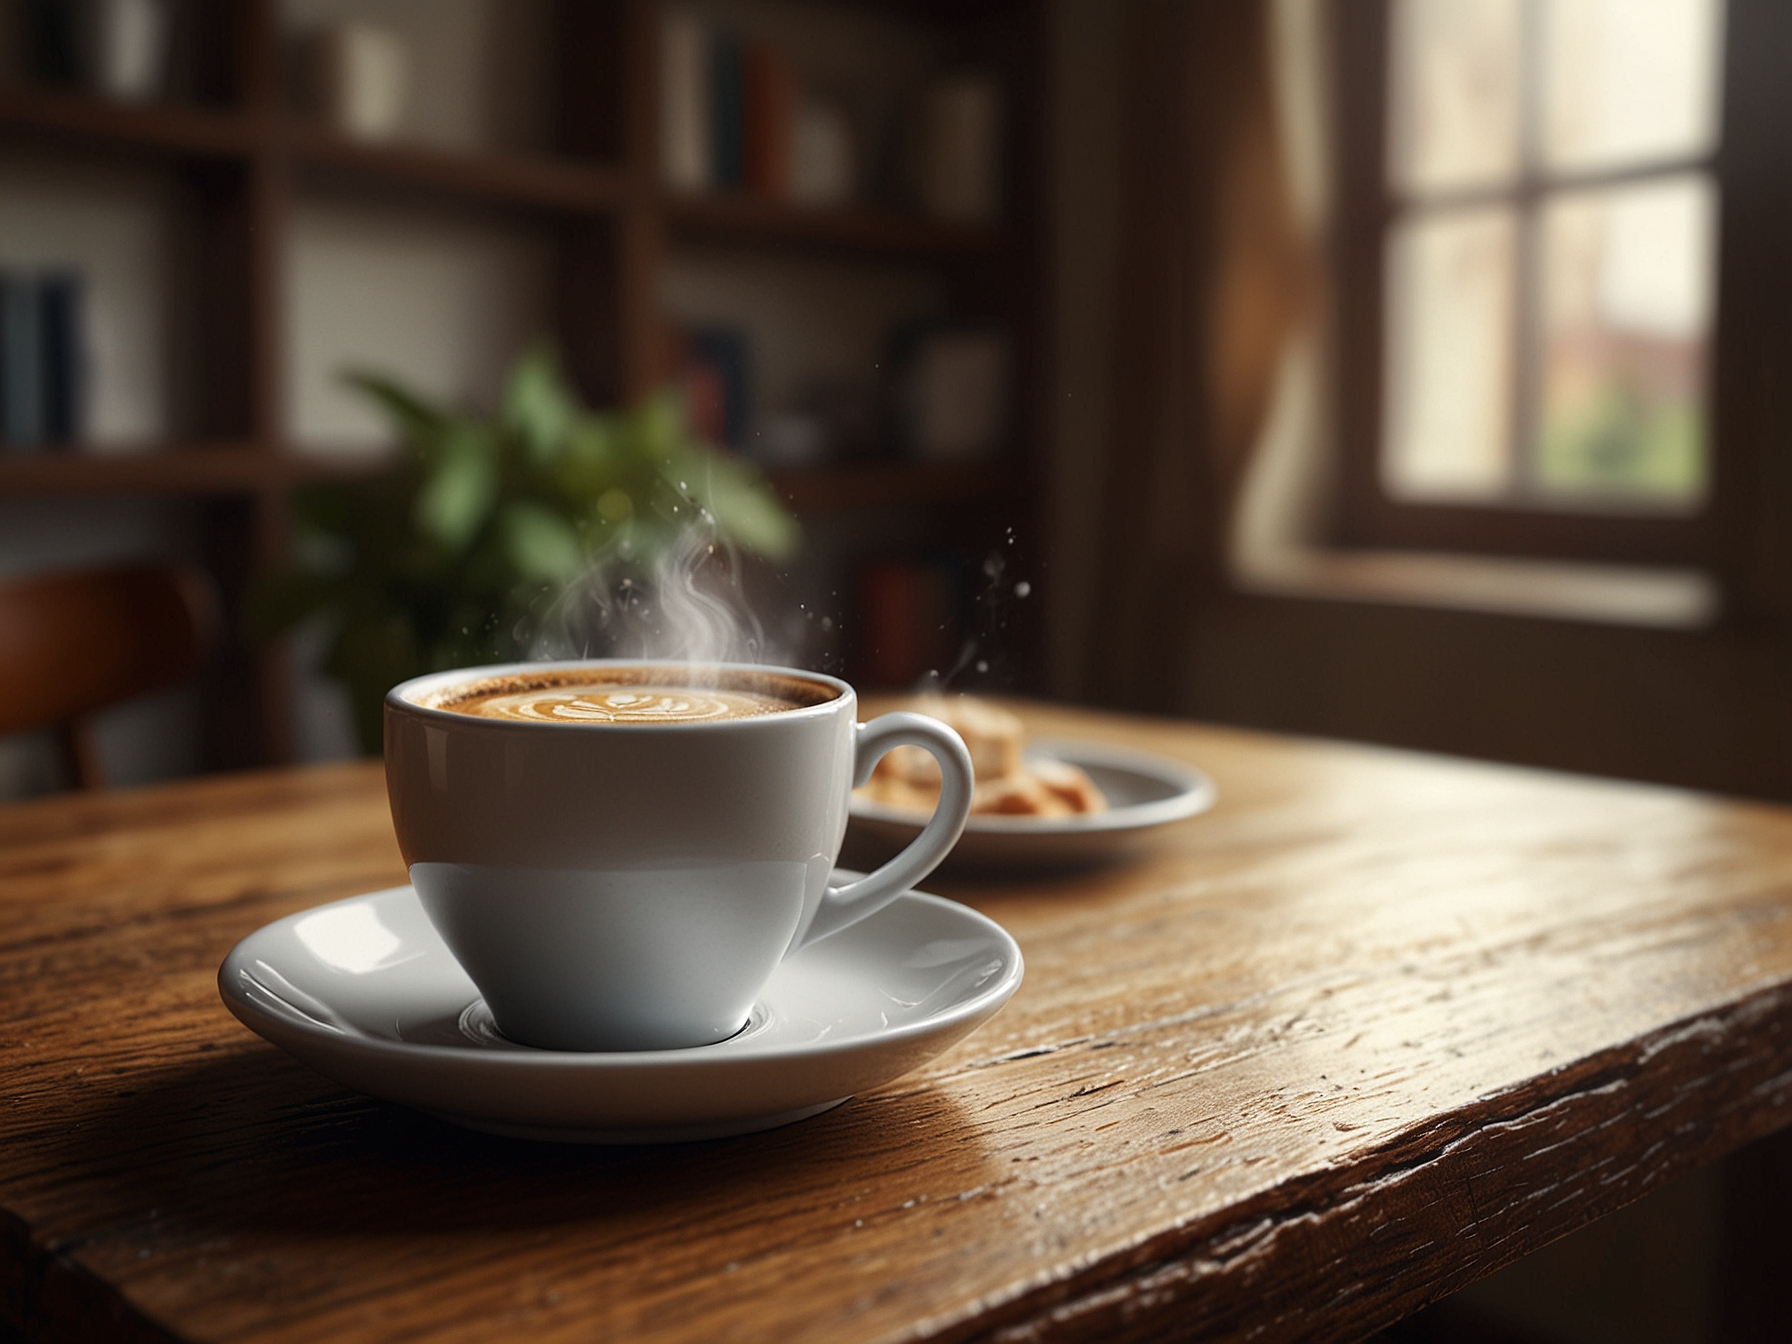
[{"x": 73, "y": 642}]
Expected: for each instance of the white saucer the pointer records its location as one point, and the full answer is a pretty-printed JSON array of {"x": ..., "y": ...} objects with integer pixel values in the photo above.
[
  {"x": 365, "y": 992},
  {"x": 1143, "y": 791}
]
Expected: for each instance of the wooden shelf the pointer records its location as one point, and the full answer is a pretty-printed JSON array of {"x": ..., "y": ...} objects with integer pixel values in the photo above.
[
  {"x": 530, "y": 181},
  {"x": 861, "y": 232},
  {"x": 77, "y": 117},
  {"x": 533, "y": 181},
  {"x": 242, "y": 168},
  {"x": 874, "y": 485},
  {"x": 168, "y": 469},
  {"x": 245, "y": 468}
]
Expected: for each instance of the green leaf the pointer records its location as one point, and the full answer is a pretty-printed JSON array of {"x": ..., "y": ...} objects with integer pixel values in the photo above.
[
  {"x": 538, "y": 407},
  {"x": 540, "y": 543},
  {"x": 444, "y": 560},
  {"x": 417, "y": 420},
  {"x": 460, "y": 492},
  {"x": 656, "y": 427},
  {"x": 592, "y": 461}
]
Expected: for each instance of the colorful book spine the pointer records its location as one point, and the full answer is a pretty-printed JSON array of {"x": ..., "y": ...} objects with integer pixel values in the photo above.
[{"x": 728, "y": 111}]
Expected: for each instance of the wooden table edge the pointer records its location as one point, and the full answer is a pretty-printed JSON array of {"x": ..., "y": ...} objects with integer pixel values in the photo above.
[{"x": 1739, "y": 1053}]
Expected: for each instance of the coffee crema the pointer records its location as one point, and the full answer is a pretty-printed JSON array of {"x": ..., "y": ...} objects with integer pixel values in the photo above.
[{"x": 609, "y": 702}]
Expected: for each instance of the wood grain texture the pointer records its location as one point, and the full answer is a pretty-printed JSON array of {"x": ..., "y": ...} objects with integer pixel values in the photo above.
[{"x": 1375, "y": 1026}]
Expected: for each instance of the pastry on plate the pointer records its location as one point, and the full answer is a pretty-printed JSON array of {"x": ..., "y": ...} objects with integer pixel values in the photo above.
[{"x": 1007, "y": 784}]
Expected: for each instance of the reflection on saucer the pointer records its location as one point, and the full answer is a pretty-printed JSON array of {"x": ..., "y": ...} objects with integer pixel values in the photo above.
[{"x": 364, "y": 991}]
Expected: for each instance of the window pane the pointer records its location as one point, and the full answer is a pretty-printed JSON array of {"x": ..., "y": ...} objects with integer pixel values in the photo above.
[
  {"x": 1626, "y": 303},
  {"x": 1629, "y": 80},
  {"x": 1454, "y": 105},
  {"x": 1450, "y": 296}
]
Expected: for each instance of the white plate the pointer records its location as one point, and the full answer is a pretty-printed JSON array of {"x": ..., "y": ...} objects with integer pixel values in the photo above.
[
  {"x": 1144, "y": 792},
  {"x": 365, "y": 992}
]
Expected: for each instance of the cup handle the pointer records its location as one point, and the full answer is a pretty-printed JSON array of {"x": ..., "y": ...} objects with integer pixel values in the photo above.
[{"x": 844, "y": 906}]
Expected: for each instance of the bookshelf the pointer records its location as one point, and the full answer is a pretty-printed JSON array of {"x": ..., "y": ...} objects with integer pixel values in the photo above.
[{"x": 243, "y": 168}]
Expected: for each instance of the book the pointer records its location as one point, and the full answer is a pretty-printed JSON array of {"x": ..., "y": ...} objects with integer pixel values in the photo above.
[
  {"x": 727, "y": 111},
  {"x": 21, "y": 362},
  {"x": 42, "y": 359},
  {"x": 684, "y": 102},
  {"x": 771, "y": 105},
  {"x": 62, "y": 364},
  {"x": 714, "y": 376}
]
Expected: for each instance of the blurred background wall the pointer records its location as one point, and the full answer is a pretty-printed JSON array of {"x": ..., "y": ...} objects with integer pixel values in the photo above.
[{"x": 1296, "y": 363}]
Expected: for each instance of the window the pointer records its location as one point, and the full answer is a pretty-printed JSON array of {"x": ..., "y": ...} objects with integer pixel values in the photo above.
[{"x": 1527, "y": 266}]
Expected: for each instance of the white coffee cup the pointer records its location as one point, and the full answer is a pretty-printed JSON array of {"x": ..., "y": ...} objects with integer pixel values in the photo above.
[{"x": 632, "y": 886}]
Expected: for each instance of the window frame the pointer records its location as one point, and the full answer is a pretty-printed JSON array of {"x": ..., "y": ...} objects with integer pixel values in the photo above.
[{"x": 1366, "y": 208}]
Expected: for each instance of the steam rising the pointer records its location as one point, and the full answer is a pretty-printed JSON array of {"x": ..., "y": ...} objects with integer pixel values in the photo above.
[{"x": 685, "y": 605}]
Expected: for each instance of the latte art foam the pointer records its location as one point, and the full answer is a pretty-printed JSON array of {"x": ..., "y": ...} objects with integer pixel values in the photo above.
[{"x": 619, "y": 704}]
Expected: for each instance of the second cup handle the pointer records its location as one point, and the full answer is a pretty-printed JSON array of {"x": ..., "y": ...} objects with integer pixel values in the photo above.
[{"x": 847, "y": 905}]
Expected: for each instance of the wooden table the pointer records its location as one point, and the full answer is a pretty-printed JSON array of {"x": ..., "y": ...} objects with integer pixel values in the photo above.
[{"x": 1375, "y": 1026}]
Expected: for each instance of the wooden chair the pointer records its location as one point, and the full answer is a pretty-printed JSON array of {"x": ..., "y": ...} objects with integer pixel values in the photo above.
[{"x": 74, "y": 642}]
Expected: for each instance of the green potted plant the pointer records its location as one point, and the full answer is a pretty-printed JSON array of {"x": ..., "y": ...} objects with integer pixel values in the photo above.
[{"x": 449, "y": 559}]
